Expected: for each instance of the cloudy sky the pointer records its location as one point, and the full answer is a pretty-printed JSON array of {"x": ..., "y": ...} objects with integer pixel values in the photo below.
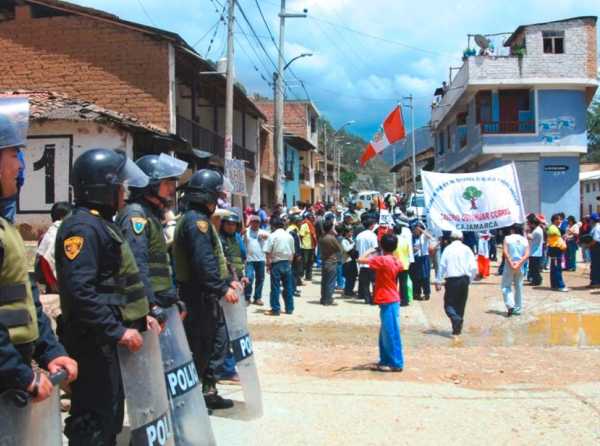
[{"x": 368, "y": 54}]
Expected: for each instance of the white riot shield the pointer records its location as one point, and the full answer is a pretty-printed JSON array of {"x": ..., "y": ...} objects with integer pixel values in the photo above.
[
  {"x": 23, "y": 423},
  {"x": 146, "y": 394},
  {"x": 191, "y": 423},
  {"x": 241, "y": 344}
]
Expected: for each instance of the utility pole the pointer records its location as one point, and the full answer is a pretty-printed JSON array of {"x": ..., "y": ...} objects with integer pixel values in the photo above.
[
  {"x": 414, "y": 155},
  {"x": 228, "y": 155},
  {"x": 278, "y": 111},
  {"x": 325, "y": 150}
]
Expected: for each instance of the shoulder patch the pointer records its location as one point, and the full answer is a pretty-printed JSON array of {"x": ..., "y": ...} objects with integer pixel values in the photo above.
[
  {"x": 73, "y": 246},
  {"x": 202, "y": 226},
  {"x": 138, "y": 224}
]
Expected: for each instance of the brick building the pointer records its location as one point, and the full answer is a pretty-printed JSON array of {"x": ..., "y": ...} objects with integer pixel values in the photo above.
[
  {"x": 301, "y": 149},
  {"x": 144, "y": 72}
]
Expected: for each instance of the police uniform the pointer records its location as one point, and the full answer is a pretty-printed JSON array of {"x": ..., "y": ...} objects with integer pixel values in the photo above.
[
  {"x": 25, "y": 330},
  {"x": 101, "y": 295},
  {"x": 141, "y": 225},
  {"x": 202, "y": 277}
]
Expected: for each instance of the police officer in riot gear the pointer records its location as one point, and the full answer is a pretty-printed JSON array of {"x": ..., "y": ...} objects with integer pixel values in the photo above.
[
  {"x": 141, "y": 224},
  {"x": 202, "y": 276},
  {"x": 25, "y": 330},
  {"x": 102, "y": 297}
]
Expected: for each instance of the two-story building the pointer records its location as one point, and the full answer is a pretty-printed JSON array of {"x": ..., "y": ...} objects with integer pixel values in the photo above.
[
  {"x": 527, "y": 107},
  {"x": 301, "y": 143},
  {"x": 146, "y": 73}
]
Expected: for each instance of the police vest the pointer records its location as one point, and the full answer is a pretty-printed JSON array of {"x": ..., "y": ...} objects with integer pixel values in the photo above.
[
  {"x": 234, "y": 254},
  {"x": 17, "y": 310},
  {"x": 125, "y": 289},
  {"x": 159, "y": 265},
  {"x": 183, "y": 272}
]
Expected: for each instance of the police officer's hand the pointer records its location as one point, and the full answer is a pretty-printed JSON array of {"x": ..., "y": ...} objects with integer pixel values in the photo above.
[
  {"x": 231, "y": 296},
  {"x": 132, "y": 339},
  {"x": 152, "y": 324},
  {"x": 40, "y": 388},
  {"x": 66, "y": 363},
  {"x": 245, "y": 281},
  {"x": 237, "y": 285}
]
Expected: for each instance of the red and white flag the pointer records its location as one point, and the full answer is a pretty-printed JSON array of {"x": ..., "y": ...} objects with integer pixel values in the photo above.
[{"x": 392, "y": 130}]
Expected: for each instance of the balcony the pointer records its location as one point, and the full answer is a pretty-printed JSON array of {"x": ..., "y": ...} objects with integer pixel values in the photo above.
[
  {"x": 507, "y": 127},
  {"x": 212, "y": 142}
]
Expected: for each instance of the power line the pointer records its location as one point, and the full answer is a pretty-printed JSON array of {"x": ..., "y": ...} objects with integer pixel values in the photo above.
[
  {"x": 382, "y": 39},
  {"x": 221, "y": 20},
  {"x": 206, "y": 34},
  {"x": 146, "y": 13}
]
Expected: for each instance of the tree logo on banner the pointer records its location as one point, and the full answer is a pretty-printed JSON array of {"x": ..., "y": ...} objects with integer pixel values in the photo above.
[{"x": 471, "y": 194}]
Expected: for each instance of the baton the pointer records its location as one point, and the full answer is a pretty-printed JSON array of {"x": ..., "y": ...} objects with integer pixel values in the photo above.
[{"x": 21, "y": 398}]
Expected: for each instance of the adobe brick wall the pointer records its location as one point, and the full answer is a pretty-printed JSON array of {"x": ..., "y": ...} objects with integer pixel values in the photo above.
[
  {"x": 117, "y": 68},
  {"x": 592, "y": 48},
  {"x": 294, "y": 117}
]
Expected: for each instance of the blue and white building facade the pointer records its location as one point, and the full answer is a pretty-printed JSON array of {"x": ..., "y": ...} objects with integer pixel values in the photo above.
[{"x": 527, "y": 107}]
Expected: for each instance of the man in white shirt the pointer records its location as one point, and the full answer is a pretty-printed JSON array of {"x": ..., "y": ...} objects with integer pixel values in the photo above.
[
  {"x": 457, "y": 267},
  {"x": 254, "y": 240},
  {"x": 279, "y": 249},
  {"x": 366, "y": 241}
]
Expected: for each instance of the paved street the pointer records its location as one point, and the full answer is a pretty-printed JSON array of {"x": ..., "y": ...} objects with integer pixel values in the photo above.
[{"x": 533, "y": 379}]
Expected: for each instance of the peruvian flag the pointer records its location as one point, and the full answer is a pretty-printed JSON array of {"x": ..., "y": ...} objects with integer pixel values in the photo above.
[{"x": 392, "y": 131}]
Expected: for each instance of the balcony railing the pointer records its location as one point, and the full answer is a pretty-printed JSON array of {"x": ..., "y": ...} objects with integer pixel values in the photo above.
[
  {"x": 305, "y": 174},
  {"x": 319, "y": 177},
  {"x": 210, "y": 141},
  {"x": 289, "y": 173},
  {"x": 502, "y": 127}
]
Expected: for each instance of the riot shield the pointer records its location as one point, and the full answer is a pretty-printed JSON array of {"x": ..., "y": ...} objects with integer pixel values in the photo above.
[
  {"x": 23, "y": 423},
  {"x": 191, "y": 423},
  {"x": 241, "y": 344},
  {"x": 146, "y": 394}
]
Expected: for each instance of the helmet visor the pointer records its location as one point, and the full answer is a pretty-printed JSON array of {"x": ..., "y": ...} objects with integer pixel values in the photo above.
[
  {"x": 227, "y": 187},
  {"x": 14, "y": 121},
  {"x": 132, "y": 175},
  {"x": 169, "y": 167}
]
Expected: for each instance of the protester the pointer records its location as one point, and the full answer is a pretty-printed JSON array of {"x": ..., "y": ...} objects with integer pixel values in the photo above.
[
  {"x": 340, "y": 281},
  {"x": 584, "y": 229},
  {"x": 350, "y": 256},
  {"x": 572, "y": 239},
  {"x": 264, "y": 217},
  {"x": 457, "y": 267},
  {"x": 595, "y": 250},
  {"x": 329, "y": 248},
  {"x": 45, "y": 264},
  {"x": 420, "y": 270},
  {"x": 556, "y": 247},
  {"x": 366, "y": 241},
  {"x": 403, "y": 253},
  {"x": 483, "y": 254},
  {"x": 297, "y": 263},
  {"x": 279, "y": 249},
  {"x": 386, "y": 268},
  {"x": 308, "y": 243},
  {"x": 254, "y": 239},
  {"x": 516, "y": 252},
  {"x": 536, "y": 249}
]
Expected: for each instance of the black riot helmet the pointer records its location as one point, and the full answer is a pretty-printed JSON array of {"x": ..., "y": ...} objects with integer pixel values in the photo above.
[
  {"x": 205, "y": 187},
  {"x": 158, "y": 168},
  {"x": 97, "y": 175}
]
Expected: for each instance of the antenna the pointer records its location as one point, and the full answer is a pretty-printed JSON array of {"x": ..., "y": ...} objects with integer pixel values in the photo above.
[{"x": 482, "y": 41}]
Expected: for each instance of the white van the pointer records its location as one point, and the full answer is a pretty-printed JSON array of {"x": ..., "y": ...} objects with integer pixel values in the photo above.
[
  {"x": 365, "y": 198},
  {"x": 416, "y": 205}
]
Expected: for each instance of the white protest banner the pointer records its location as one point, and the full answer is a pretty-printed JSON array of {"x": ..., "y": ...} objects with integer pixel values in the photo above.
[
  {"x": 235, "y": 171},
  {"x": 475, "y": 201},
  {"x": 385, "y": 218}
]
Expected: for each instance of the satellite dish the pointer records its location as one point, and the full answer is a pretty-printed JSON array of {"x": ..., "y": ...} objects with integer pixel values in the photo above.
[{"x": 482, "y": 41}]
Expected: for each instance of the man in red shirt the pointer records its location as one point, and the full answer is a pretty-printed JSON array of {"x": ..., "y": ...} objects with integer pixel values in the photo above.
[{"x": 386, "y": 268}]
